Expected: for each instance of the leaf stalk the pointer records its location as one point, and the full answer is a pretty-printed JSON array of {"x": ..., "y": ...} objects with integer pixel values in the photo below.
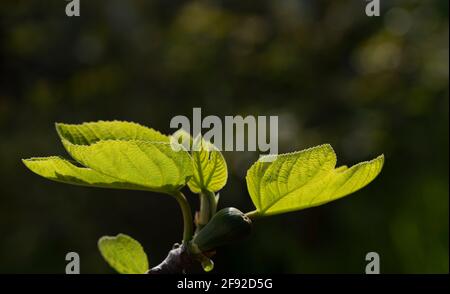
[
  {"x": 253, "y": 214},
  {"x": 188, "y": 230},
  {"x": 208, "y": 207}
]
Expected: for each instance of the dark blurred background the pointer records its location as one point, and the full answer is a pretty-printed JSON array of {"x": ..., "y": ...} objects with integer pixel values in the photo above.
[{"x": 366, "y": 85}]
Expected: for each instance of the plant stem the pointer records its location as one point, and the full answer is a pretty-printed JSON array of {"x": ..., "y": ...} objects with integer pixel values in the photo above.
[
  {"x": 203, "y": 214},
  {"x": 208, "y": 207},
  {"x": 213, "y": 203},
  {"x": 253, "y": 214},
  {"x": 177, "y": 261},
  {"x": 187, "y": 216}
]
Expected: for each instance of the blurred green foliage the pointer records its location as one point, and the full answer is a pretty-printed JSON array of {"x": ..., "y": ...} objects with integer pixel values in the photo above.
[{"x": 332, "y": 74}]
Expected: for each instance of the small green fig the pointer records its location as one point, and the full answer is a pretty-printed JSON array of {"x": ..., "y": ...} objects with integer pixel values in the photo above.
[{"x": 226, "y": 226}]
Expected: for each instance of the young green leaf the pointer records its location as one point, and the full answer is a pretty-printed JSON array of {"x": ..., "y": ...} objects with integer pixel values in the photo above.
[
  {"x": 304, "y": 179},
  {"x": 124, "y": 254},
  {"x": 210, "y": 168},
  {"x": 92, "y": 132},
  {"x": 61, "y": 170},
  {"x": 154, "y": 165}
]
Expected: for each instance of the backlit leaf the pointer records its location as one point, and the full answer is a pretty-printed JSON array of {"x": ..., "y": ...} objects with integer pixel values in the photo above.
[
  {"x": 209, "y": 167},
  {"x": 154, "y": 165},
  {"x": 124, "y": 254},
  {"x": 62, "y": 170},
  {"x": 92, "y": 132},
  {"x": 304, "y": 179}
]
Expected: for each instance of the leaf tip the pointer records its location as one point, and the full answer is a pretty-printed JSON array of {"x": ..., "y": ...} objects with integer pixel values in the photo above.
[
  {"x": 58, "y": 127},
  {"x": 380, "y": 158},
  {"x": 26, "y": 162}
]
